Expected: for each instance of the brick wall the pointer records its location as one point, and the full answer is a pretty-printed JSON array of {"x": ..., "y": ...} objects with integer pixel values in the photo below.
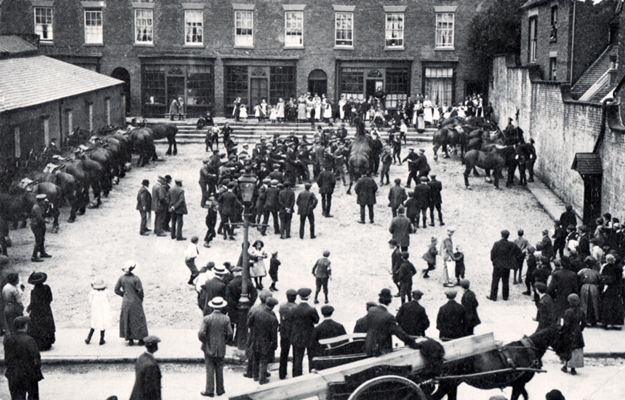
[{"x": 560, "y": 129}]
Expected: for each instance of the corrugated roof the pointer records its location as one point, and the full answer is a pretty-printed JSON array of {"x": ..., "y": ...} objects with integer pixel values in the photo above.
[
  {"x": 12, "y": 44},
  {"x": 587, "y": 164},
  {"x": 29, "y": 81}
]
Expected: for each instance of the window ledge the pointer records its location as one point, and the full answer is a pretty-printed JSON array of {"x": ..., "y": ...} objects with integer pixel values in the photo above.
[
  {"x": 46, "y": 42},
  {"x": 293, "y": 47},
  {"x": 94, "y": 44},
  {"x": 143, "y": 44},
  {"x": 337, "y": 47},
  {"x": 194, "y": 45},
  {"x": 395, "y": 48},
  {"x": 445, "y": 49},
  {"x": 243, "y": 47}
]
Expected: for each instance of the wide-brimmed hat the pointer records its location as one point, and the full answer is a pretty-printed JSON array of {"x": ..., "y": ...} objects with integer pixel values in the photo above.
[
  {"x": 220, "y": 270},
  {"x": 217, "y": 302},
  {"x": 98, "y": 283},
  {"x": 37, "y": 277},
  {"x": 129, "y": 266},
  {"x": 258, "y": 241}
]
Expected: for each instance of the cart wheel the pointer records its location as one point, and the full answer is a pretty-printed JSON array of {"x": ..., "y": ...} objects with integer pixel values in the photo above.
[{"x": 389, "y": 387}]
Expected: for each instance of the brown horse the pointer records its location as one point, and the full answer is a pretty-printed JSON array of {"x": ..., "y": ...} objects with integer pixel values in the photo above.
[
  {"x": 485, "y": 160},
  {"x": 359, "y": 162},
  {"x": 450, "y": 135}
]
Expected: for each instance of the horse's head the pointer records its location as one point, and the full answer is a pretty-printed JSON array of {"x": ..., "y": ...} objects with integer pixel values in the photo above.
[{"x": 542, "y": 339}]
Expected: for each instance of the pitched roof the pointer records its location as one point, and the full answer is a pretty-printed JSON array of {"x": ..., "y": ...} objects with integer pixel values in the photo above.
[
  {"x": 532, "y": 3},
  {"x": 587, "y": 164},
  {"x": 28, "y": 81},
  {"x": 11, "y": 44}
]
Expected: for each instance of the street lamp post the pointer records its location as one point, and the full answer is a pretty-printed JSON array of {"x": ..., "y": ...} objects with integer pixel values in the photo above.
[{"x": 247, "y": 185}]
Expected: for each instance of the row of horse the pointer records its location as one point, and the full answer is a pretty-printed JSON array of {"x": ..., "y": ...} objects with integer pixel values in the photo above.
[
  {"x": 482, "y": 144},
  {"x": 89, "y": 162}
]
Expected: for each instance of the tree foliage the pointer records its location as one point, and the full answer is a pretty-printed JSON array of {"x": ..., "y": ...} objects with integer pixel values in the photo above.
[{"x": 494, "y": 31}]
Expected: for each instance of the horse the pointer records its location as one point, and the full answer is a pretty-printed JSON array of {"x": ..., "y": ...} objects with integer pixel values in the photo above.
[
  {"x": 359, "y": 154},
  {"x": 485, "y": 160},
  {"x": 512, "y": 365},
  {"x": 67, "y": 185},
  {"x": 142, "y": 140},
  {"x": 449, "y": 136},
  {"x": 28, "y": 189},
  {"x": 169, "y": 131}
]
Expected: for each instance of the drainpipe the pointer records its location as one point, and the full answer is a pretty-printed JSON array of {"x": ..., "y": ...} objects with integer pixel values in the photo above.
[{"x": 572, "y": 43}]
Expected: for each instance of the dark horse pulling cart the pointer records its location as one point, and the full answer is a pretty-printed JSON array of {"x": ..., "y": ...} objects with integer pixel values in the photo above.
[{"x": 406, "y": 374}]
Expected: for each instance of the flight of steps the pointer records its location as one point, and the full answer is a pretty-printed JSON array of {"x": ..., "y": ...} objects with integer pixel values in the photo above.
[{"x": 252, "y": 130}]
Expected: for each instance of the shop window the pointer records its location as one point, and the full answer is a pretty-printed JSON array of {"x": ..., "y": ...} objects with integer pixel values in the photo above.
[
  {"x": 93, "y": 27},
  {"x": 236, "y": 86},
  {"x": 294, "y": 29},
  {"x": 43, "y": 23},
  {"x": 154, "y": 85},
  {"x": 344, "y": 29},
  {"x": 353, "y": 82},
  {"x": 533, "y": 38},
  {"x": 439, "y": 85},
  {"x": 194, "y": 27},
  {"x": 445, "y": 30},
  {"x": 282, "y": 83},
  {"x": 397, "y": 87},
  {"x": 144, "y": 26},
  {"x": 244, "y": 28},
  {"x": 395, "y": 30}
]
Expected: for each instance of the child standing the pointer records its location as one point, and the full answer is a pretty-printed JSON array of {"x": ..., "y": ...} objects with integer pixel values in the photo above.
[
  {"x": 100, "y": 309},
  {"x": 459, "y": 259},
  {"x": 274, "y": 264}
]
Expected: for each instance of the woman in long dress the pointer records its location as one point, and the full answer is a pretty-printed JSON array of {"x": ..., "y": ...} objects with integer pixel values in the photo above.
[
  {"x": 327, "y": 109},
  {"x": 342, "y": 103},
  {"x": 263, "y": 109},
  {"x": 258, "y": 270},
  {"x": 280, "y": 110},
  {"x": 301, "y": 109},
  {"x": 571, "y": 340},
  {"x": 611, "y": 296},
  {"x": 12, "y": 294},
  {"x": 317, "y": 105},
  {"x": 41, "y": 326},
  {"x": 100, "y": 310},
  {"x": 132, "y": 322},
  {"x": 427, "y": 111},
  {"x": 436, "y": 115}
]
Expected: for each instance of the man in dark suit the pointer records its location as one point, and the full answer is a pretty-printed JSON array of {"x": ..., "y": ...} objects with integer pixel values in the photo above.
[
  {"x": 159, "y": 205},
  {"x": 229, "y": 203},
  {"x": 452, "y": 318},
  {"x": 436, "y": 200},
  {"x": 381, "y": 328},
  {"x": 401, "y": 228},
  {"x": 366, "y": 189},
  {"x": 286, "y": 326},
  {"x": 214, "y": 287},
  {"x": 326, "y": 181},
  {"x": 271, "y": 207},
  {"x": 546, "y": 316},
  {"x": 412, "y": 317},
  {"x": 306, "y": 203},
  {"x": 563, "y": 283},
  {"x": 396, "y": 261},
  {"x": 327, "y": 329},
  {"x": 361, "y": 323},
  {"x": 305, "y": 318},
  {"x": 396, "y": 196},
  {"x": 214, "y": 333},
  {"x": 264, "y": 340},
  {"x": 22, "y": 361},
  {"x": 504, "y": 256},
  {"x": 286, "y": 201},
  {"x": 412, "y": 167},
  {"x": 423, "y": 198},
  {"x": 584, "y": 242},
  {"x": 147, "y": 373},
  {"x": 470, "y": 303},
  {"x": 177, "y": 208},
  {"x": 422, "y": 165},
  {"x": 568, "y": 217},
  {"x": 144, "y": 205}
]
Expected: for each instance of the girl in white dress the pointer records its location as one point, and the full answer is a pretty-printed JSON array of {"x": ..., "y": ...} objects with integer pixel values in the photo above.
[
  {"x": 100, "y": 310},
  {"x": 273, "y": 115},
  {"x": 243, "y": 111},
  {"x": 280, "y": 110},
  {"x": 436, "y": 115},
  {"x": 342, "y": 103},
  {"x": 258, "y": 270},
  {"x": 263, "y": 109}
]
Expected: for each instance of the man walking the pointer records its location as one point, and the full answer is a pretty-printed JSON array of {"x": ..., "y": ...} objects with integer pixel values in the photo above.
[
  {"x": 401, "y": 228},
  {"x": 406, "y": 272},
  {"x": 22, "y": 361},
  {"x": 286, "y": 201},
  {"x": 38, "y": 226},
  {"x": 366, "y": 190},
  {"x": 189, "y": 259},
  {"x": 306, "y": 203},
  {"x": 451, "y": 319},
  {"x": 177, "y": 208},
  {"x": 147, "y": 373},
  {"x": 412, "y": 317},
  {"x": 423, "y": 200},
  {"x": 305, "y": 318},
  {"x": 286, "y": 326},
  {"x": 470, "y": 304},
  {"x": 436, "y": 200},
  {"x": 159, "y": 205},
  {"x": 144, "y": 206},
  {"x": 229, "y": 204},
  {"x": 204, "y": 182},
  {"x": 326, "y": 181},
  {"x": 214, "y": 333},
  {"x": 271, "y": 207},
  {"x": 504, "y": 256},
  {"x": 412, "y": 167},
  {"x": 264, "y": 340},
  {"x": 322, "y": 272},
  {"x": 396, "y": 196}
]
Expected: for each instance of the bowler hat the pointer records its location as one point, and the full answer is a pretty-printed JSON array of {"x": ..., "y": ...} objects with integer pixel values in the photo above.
[
  {"x": 37, "y": 277},
  {"x": 401, "y": 209},
  {"x": 385, "y": 294},
  {"x": 326, "y": 253},
  {"x": 465, "y": 283}
]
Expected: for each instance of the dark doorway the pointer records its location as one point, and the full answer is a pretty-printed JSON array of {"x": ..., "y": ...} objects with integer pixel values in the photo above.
[
  {"x": 123, "y": 75},
  {"x": 258, "y": 92},
  {"x": 373, "y": 85},
  {"x": 318, "y": 82},
  {"x": 592, "y": 199}
]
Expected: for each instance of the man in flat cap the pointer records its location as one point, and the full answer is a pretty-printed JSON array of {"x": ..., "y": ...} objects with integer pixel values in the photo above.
[
  {"x": 412, "y": 317},
  {"x": 412, "y": 157},
  {"x": 22, "y": 361},
  {"x": 271, "y": 206},
  {"x": 159, "y": 205},
  {"x": 305, "y": 317},
  {"x": 396, "y": 196},
  {"x": 366, "y": 190},
  {"x": 144, "y": 206},
  {"x": 470, "y": 303},
  {"x": 263, "y": 340},
  {"x": 328, "y": 328},
  {"x": 286, "y": 326},
  {"x": 322, "y": 271},
  {"x": 147, "y": 373},
  {"x": 423, "y": 197},
  {"x": 214, "y": 333},
  {"x": 546, "y": 315},
  {"x": 504, "y": 256},
  {"x": 436, "y": 200},
  {"x": 229, "y": 204},
  {"x": 401, "y": 228},
  {"x": 452, "y": 318},
  {"x": 177, "y": 208},
  {"x": 306, "y": 203},
  {"x": 286, "y": 202},
  {"x": 422, "y": 165},
  {"x": 38, "y": 226},
  {"x": 326, "y": 181}
]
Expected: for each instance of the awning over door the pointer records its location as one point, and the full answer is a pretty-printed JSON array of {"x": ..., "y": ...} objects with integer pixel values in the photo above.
[{"x": 587, "y": 164}]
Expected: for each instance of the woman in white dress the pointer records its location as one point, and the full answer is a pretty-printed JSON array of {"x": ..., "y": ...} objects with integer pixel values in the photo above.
[
  {"x": 258, "y": 270},
  {"x": 301, "y": 108},
  {"x": 436, "y": 114},
  {"x": 280, "y": 110},
  {"x": 342, "y": 103},
  {"x": 327, "y": 109},
  {"x": 317, "y": 105},
  {"x": 427, "y": 111},
  {"x": 263, "y": 109}
]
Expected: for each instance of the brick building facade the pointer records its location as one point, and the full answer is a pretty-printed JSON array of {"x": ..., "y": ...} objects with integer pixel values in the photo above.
[{"x": 210, "y": 52}]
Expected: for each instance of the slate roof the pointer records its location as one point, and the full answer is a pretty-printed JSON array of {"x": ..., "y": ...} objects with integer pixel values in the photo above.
[
  {"x": 29, "y": 81},
  {"x": 587, "y": 164},
  {"x": 11, "y": 44}
]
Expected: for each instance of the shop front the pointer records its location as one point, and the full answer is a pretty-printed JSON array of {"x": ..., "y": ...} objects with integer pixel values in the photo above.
[
  {"x": 363, "y": 79},
  {"x": 163, "y": 80},
  {"x": 257, "y": 80},
  {"x": 439, "y": 83}
]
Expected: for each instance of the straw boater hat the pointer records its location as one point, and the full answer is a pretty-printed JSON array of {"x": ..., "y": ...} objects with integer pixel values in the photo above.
[
  {"x": 37, "y": 277},
  {"x": 220, "y": 270},
  {"x": 98, "y": 284},
  {"x": 217, "y": 302}
]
